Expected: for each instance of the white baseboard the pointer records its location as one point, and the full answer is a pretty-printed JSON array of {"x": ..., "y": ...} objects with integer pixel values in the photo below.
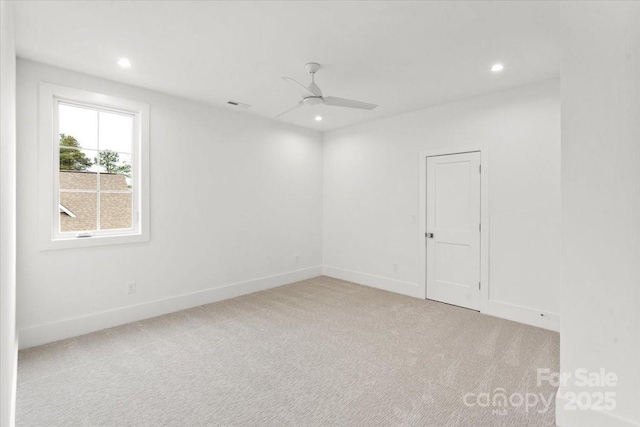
[
  {"x": 503, "y": 310},
  {"x": 391, "y": 285},
  {"x": 38, "y": 335},
  {"x": 526, "y": 315},
  {"x": 42, "y": 334},
  {"x": 587, "y": 418}
]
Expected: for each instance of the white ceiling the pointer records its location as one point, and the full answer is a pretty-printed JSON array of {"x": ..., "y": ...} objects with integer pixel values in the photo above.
[{"x": 403, "y": 56}]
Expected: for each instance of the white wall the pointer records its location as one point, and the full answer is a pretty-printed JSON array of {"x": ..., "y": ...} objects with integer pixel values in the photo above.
[
  {"x": 233, "y": 199},
  {"x": 601, "y": 205},
  {"x": 8, "y": 337},
  {"x": 371, "y": 190}
]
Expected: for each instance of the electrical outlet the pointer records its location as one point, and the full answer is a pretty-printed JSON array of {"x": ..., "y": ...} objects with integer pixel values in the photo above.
[
  {"x": 297, "y": 259},
  {"x": 395, "y": 266},
  {"x": 412, "y": 218},
  {"x": 131, "y": 288}
]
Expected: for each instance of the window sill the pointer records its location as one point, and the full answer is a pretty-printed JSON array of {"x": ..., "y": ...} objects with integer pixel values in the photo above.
[{"x": 83, "y": 242}]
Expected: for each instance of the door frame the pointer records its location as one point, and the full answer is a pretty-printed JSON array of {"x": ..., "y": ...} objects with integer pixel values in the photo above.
[{"x": 484, "y": 217}]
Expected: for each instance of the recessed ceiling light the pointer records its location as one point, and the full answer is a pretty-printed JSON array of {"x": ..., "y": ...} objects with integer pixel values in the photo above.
[
  {"x": 318, "y": 118},
  {"x": 124, "y": 63},
  {"x": 497, "y": 68}
]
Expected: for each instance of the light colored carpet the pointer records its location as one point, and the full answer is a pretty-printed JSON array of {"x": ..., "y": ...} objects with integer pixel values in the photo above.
[{"x": 318, "y": 352}]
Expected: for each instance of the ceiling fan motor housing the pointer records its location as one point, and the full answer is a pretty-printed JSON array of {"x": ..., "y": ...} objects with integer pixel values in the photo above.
[{"x": 312, "y": 100}]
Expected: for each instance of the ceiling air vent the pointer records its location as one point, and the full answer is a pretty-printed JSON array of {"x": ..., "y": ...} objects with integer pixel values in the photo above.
[{"x": 238, "y": 104}]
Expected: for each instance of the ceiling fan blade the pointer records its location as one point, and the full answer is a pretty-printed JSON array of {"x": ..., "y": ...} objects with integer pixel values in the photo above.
[
  {"x": 349, "y": 103},
  {"x": 298, "y": 105},
  {"x": 304, "y": 91}
]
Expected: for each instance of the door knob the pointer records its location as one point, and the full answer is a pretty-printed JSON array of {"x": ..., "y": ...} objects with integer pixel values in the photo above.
[{"x": 429, "y": 235}]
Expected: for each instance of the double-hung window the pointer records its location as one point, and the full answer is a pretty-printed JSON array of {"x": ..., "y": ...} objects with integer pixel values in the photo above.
[{"x": 95, "y": 150}]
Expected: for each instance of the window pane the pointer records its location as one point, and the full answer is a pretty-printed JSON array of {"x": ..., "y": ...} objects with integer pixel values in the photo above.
[
  {"x": 78, "y": 211},
  {"x": 77, "y": 169},
  {"x": 115, "y": 210},
  {"x": 112, "y": 163},
  {"x": 78, "y": 181},
  {"x": 78, "y": 127},
  {"x": 116, "y": 132}
]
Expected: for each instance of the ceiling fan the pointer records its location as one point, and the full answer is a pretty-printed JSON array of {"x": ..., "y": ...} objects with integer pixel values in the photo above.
[{"x": 312, "y": 95}]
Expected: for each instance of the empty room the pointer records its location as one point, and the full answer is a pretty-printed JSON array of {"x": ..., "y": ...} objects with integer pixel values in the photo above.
[{"x": 320, "y": 213}]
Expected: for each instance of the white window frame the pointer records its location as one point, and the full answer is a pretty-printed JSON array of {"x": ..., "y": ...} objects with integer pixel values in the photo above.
[{"x": 48, "y": 172}]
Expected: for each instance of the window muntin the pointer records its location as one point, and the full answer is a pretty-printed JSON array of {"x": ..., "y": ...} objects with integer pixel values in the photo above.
[{"x": 95, "y": 170}]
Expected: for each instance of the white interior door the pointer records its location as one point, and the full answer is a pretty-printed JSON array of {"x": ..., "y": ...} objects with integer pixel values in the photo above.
[{"x": 453, "y": 229}]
